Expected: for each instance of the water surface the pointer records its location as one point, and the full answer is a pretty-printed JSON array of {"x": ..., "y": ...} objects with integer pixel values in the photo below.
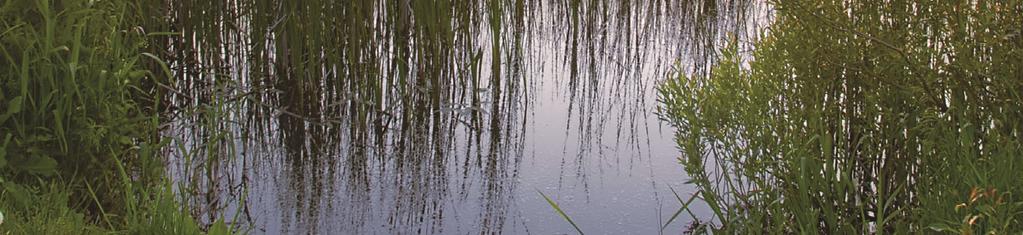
[{"x": 383, "y": 117}]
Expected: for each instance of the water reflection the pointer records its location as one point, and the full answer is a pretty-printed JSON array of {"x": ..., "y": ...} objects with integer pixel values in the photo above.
[{"x": 421, "y": 116}]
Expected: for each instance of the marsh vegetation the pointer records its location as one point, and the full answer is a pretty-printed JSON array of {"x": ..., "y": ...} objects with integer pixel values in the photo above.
[
  {"x": 445, "y": 116},
  {"x": 861, "y": 117}
]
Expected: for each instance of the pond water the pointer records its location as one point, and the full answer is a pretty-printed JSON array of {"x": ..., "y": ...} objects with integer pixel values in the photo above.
[{"x": 395, "y": 117}]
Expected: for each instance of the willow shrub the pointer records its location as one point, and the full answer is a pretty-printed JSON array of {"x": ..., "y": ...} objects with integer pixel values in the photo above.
[{"x": 861, "y": 116}]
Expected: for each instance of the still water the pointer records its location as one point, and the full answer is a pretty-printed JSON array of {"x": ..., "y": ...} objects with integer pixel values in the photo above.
[{"x": 399, "y": 117}]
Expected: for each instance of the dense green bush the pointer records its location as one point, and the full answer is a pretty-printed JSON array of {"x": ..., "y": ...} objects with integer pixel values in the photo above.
[{"x": 862, "y": 116}]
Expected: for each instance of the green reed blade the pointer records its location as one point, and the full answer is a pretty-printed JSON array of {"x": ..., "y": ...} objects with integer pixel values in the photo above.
[{"x": 560, "y": 212}]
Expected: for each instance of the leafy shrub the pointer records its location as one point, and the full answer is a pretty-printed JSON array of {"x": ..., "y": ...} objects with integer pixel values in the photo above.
[{"x": 862, "y": 116}]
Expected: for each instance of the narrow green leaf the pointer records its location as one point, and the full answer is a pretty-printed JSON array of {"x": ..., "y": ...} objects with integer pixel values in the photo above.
[
  {"x": 39, "y": 165},
  {"x": 13, "y": 107},
  {"x": 219, "y": 228},
  {"x": 3, "y": 151},
  {"x": 685, "y": 206},
  {"x": 941, "y": 227},
  {"x": 560, "y": 212}
]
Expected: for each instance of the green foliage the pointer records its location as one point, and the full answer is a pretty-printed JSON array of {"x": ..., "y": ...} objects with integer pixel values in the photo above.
[
  {"x": 77, "y": 137},
  {"x": 162, "y": 214},
  {"x": 862, "y": 116},
  {"x": 44, "y": 211},
  {"x": 49, "y": 209},
  {"x": 69, "y": 71}
]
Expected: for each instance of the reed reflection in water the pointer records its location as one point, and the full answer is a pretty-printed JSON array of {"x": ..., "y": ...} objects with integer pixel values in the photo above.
[{"x": 430, "y": 116}]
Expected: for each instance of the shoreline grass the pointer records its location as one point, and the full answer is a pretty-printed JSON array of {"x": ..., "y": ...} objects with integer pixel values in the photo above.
[{"x": 77, "y": 124}]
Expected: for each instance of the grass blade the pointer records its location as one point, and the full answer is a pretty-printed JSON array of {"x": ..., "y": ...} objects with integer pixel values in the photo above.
[
  {"x": 685, "y": 207},
  {"x": 560, "y": 212}
]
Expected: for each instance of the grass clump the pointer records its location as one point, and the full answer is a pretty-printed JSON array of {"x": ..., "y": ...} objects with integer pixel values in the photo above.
[
  {"x": 42, "y": 211},
  {"x": 77, "y": 125},
  {"x": 861, "y": 117}
]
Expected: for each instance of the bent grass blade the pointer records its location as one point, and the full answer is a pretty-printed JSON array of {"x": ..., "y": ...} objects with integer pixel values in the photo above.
[{"x": 560, "y": 212}]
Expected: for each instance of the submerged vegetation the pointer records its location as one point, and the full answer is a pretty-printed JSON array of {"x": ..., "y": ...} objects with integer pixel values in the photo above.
[{"x": 861, "y": 117}]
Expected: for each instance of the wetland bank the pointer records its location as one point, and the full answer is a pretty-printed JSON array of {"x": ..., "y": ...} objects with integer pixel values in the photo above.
[{"x": 510, "y": 116}]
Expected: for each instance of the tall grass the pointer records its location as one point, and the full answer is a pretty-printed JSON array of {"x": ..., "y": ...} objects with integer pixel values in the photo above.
[
  {"x": 861, "y": 117},
  {"x": 78, "y": 143}
]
